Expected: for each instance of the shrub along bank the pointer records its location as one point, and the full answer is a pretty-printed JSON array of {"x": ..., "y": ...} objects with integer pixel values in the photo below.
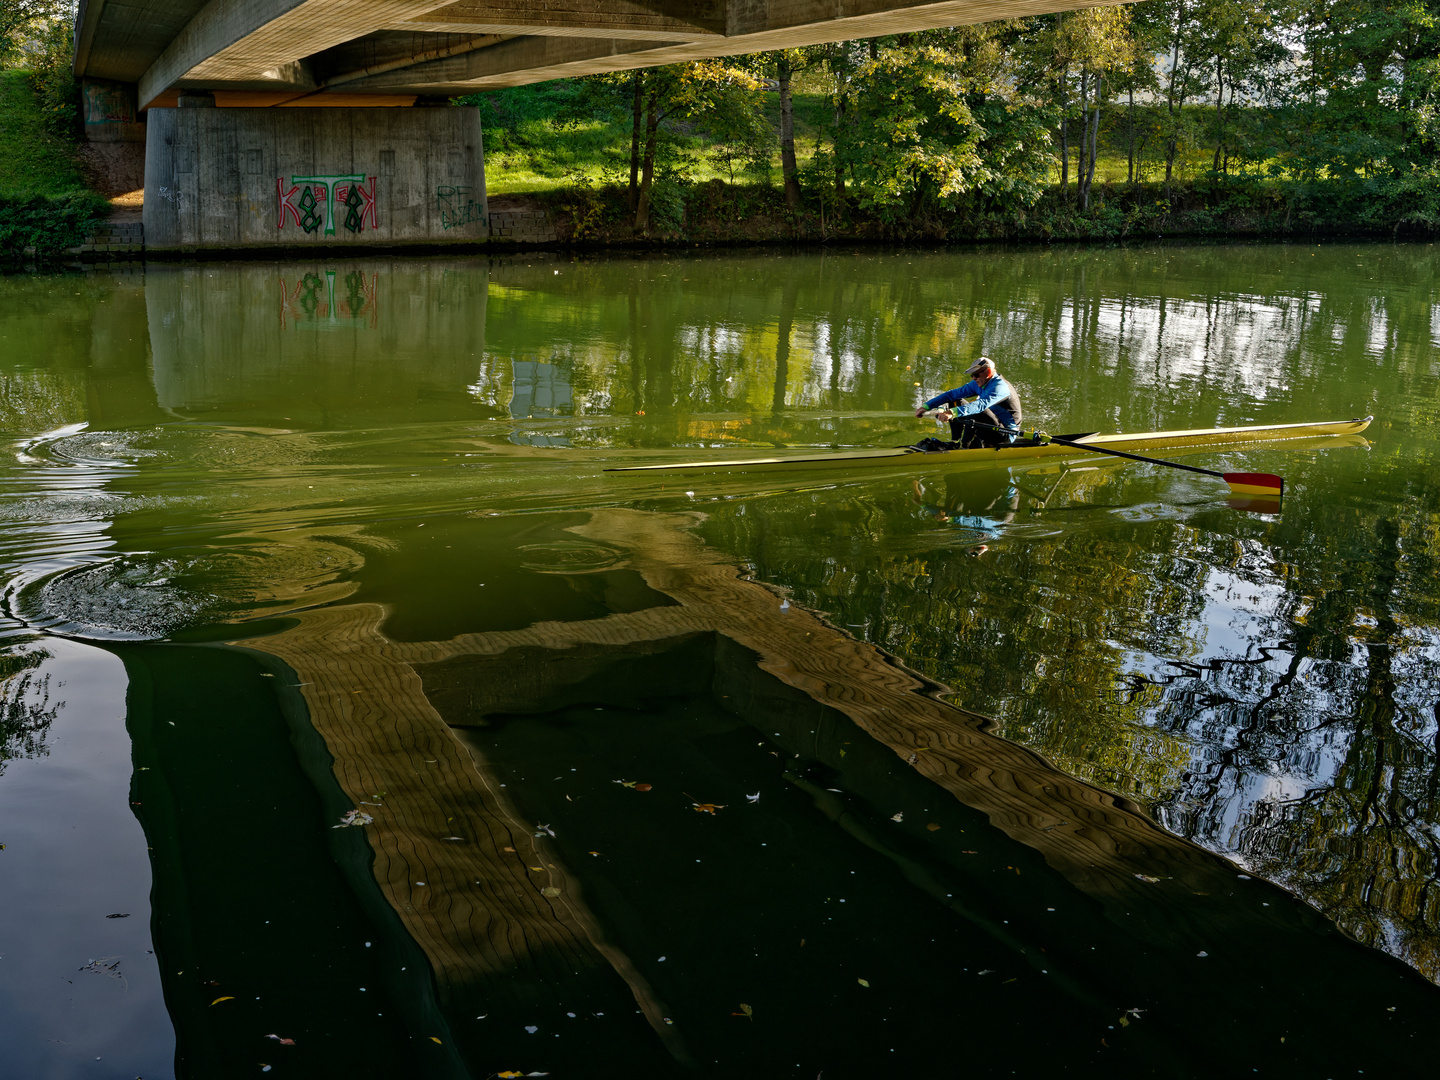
[
  {"x": 717, "y": 212},
  {"x": 45, "y": 204}
]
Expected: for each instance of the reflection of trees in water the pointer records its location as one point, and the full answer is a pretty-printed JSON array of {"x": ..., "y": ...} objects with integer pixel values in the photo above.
[
  {"x": 1116, "y": 334},
  {"x": 1320, "y": 769},
  {"x": 26, "y": 711},
  {"x": 1270, "y": 690}
]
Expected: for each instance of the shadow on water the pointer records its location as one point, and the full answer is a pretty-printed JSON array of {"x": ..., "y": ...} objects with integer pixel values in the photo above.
[{"x": 899, "y": 866}]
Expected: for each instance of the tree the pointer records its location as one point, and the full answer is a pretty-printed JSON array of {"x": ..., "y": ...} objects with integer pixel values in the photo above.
[
  {"x": 785, "y": 64},
  {"x": 691, "y": 91},
  {"x": 939, "y": 120},
  {"x": 1092, "y": 44},
  {"x": 21, "y": 21}
]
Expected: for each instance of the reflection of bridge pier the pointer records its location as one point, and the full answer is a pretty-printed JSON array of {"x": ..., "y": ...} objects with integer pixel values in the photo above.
[{"x": 316, "y": 344}]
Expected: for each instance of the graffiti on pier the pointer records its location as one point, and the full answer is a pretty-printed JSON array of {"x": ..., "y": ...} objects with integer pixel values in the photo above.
[
  {"x": 329, "y": 300},
  {"x": 314, "y": 202},
  {"x": 457, "y": 208},
  {"x": 108, "y": 103}
]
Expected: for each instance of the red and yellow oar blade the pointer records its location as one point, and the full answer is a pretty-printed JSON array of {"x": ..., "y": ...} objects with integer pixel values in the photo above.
[
  {"x": 1257, "y": 492},
  {"x": 1264, "y": 485}
]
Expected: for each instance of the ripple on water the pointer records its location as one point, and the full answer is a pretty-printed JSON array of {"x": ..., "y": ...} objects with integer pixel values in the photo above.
[
  {"x": 570, "y": 557},
  {"x": 147, "y": 596},
  {"x": 135, "y": 597}
]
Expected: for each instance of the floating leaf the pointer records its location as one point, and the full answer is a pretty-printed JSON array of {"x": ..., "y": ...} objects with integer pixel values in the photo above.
[
  {"x": 282, "y": 1042},
  {"x": 641, "y": 787},
  {"x": 863, "y": 982},
  {"x": 745, "y": 1011},
  {"x": 228, "y": 997},
  {"x": 707, "y": 807},
  {"x": 436, "y": 1041},
  {"x": 1146, "y": 878},
  {"x": 932, "y": 827},
  {"x": 753, "y": 798},
  {"x": 898, "y": 817},
  {"x": 353, "y": 817},
  {"x": 550, "y": 891}
]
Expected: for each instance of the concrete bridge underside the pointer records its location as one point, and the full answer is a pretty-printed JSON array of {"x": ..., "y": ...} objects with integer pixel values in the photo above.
[
  {"x": 336, "y": 52},
  {"x": 247, "y": 175}
]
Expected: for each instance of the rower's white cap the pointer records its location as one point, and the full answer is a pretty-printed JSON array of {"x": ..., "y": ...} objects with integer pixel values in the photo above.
[{"x": 983, "y": 362}]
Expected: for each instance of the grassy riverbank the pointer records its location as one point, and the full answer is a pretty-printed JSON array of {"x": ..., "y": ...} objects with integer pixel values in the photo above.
[
  {"x": 540, "y": 155},
  {"x": 45, "y": 203}
]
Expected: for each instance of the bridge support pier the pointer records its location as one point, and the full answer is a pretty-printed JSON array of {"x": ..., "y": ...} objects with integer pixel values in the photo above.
[{"x": 232, "y": 178}]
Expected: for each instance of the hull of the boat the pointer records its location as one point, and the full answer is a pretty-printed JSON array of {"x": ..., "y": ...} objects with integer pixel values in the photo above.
[{"x": 905, "y": 459}]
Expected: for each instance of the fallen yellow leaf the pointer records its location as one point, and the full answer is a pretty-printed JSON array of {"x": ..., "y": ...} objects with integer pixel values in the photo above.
[
  {"x": 863, "y": 982},
  {"x": 435, "y": 1040},
  {"x": 228, "y": 997}
]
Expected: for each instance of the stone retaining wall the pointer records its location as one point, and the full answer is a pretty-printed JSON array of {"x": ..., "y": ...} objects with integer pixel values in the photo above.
[
  {"x": 113, "y": 240},
  {"x": 522, "y": 227}
]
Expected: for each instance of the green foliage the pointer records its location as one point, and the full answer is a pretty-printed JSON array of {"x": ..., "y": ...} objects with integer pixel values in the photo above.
[
  {"x": 1270, "y": 115},
  {"x": 38, "y": 36},
  {"x": 55, "y": 85},
  {"x": 929, "y": 125},
  {"x": 49, "y": 225},
  {"x": 44, "y": 203}
]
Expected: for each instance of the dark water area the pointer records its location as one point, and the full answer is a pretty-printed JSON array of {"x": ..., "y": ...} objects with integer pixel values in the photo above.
[{"x": 355, "y": 722}]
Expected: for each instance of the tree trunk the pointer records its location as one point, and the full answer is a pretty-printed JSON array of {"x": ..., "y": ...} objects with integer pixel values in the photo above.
[
  {"x": 1094, "y": 141},
  {"x": 1173, "y": 145},
  {"x": 647, "y": 166},
  {"x": 1219, "y": 113},
  {"x": 840, "y": 106},
  {"x": 1082, "y": 189},
  {"x": 1130, "y": 165},
  {"x": 637, "y": 108},
  {"x": 788, "y": 168},
  {"x": 1064, "y": 138}
]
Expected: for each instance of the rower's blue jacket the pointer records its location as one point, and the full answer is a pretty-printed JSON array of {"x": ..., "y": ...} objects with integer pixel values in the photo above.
[{"x": 998, "y": 396}]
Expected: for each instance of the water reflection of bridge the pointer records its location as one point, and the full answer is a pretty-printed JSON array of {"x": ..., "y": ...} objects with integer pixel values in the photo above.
[{"x": 485, "y": 894}]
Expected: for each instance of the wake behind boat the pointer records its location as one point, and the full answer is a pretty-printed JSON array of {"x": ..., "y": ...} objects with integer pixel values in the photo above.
[{"x": 1022, "y": 449}]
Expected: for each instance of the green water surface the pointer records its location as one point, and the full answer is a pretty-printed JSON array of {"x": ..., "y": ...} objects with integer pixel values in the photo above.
[{"x": 201, "y": 455}]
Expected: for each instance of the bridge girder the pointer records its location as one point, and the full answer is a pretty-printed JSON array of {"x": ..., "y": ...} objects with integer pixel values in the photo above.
[{"x": 319, "y": 51}]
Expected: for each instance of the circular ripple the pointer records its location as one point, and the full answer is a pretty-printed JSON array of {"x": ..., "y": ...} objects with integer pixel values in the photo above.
[
  {"x": 134, "y": 598},
  {"x": 570, "y": 557}
]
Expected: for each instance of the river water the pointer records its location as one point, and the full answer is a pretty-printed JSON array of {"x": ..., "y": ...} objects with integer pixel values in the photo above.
[{"x": 356, "y": 722}]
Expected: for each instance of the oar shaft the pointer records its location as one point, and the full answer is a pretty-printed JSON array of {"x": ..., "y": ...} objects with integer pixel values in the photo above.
[
  {"x": 1107, "y": 450},
  {"x": 1137, "y": 457}
]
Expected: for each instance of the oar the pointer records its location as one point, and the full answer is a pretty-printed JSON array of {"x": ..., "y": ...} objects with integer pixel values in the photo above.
[{"x": 1266, "y": 485}]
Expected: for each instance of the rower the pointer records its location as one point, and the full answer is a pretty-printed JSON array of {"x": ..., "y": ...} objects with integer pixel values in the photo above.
[{"x": 995, "y": 403}]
